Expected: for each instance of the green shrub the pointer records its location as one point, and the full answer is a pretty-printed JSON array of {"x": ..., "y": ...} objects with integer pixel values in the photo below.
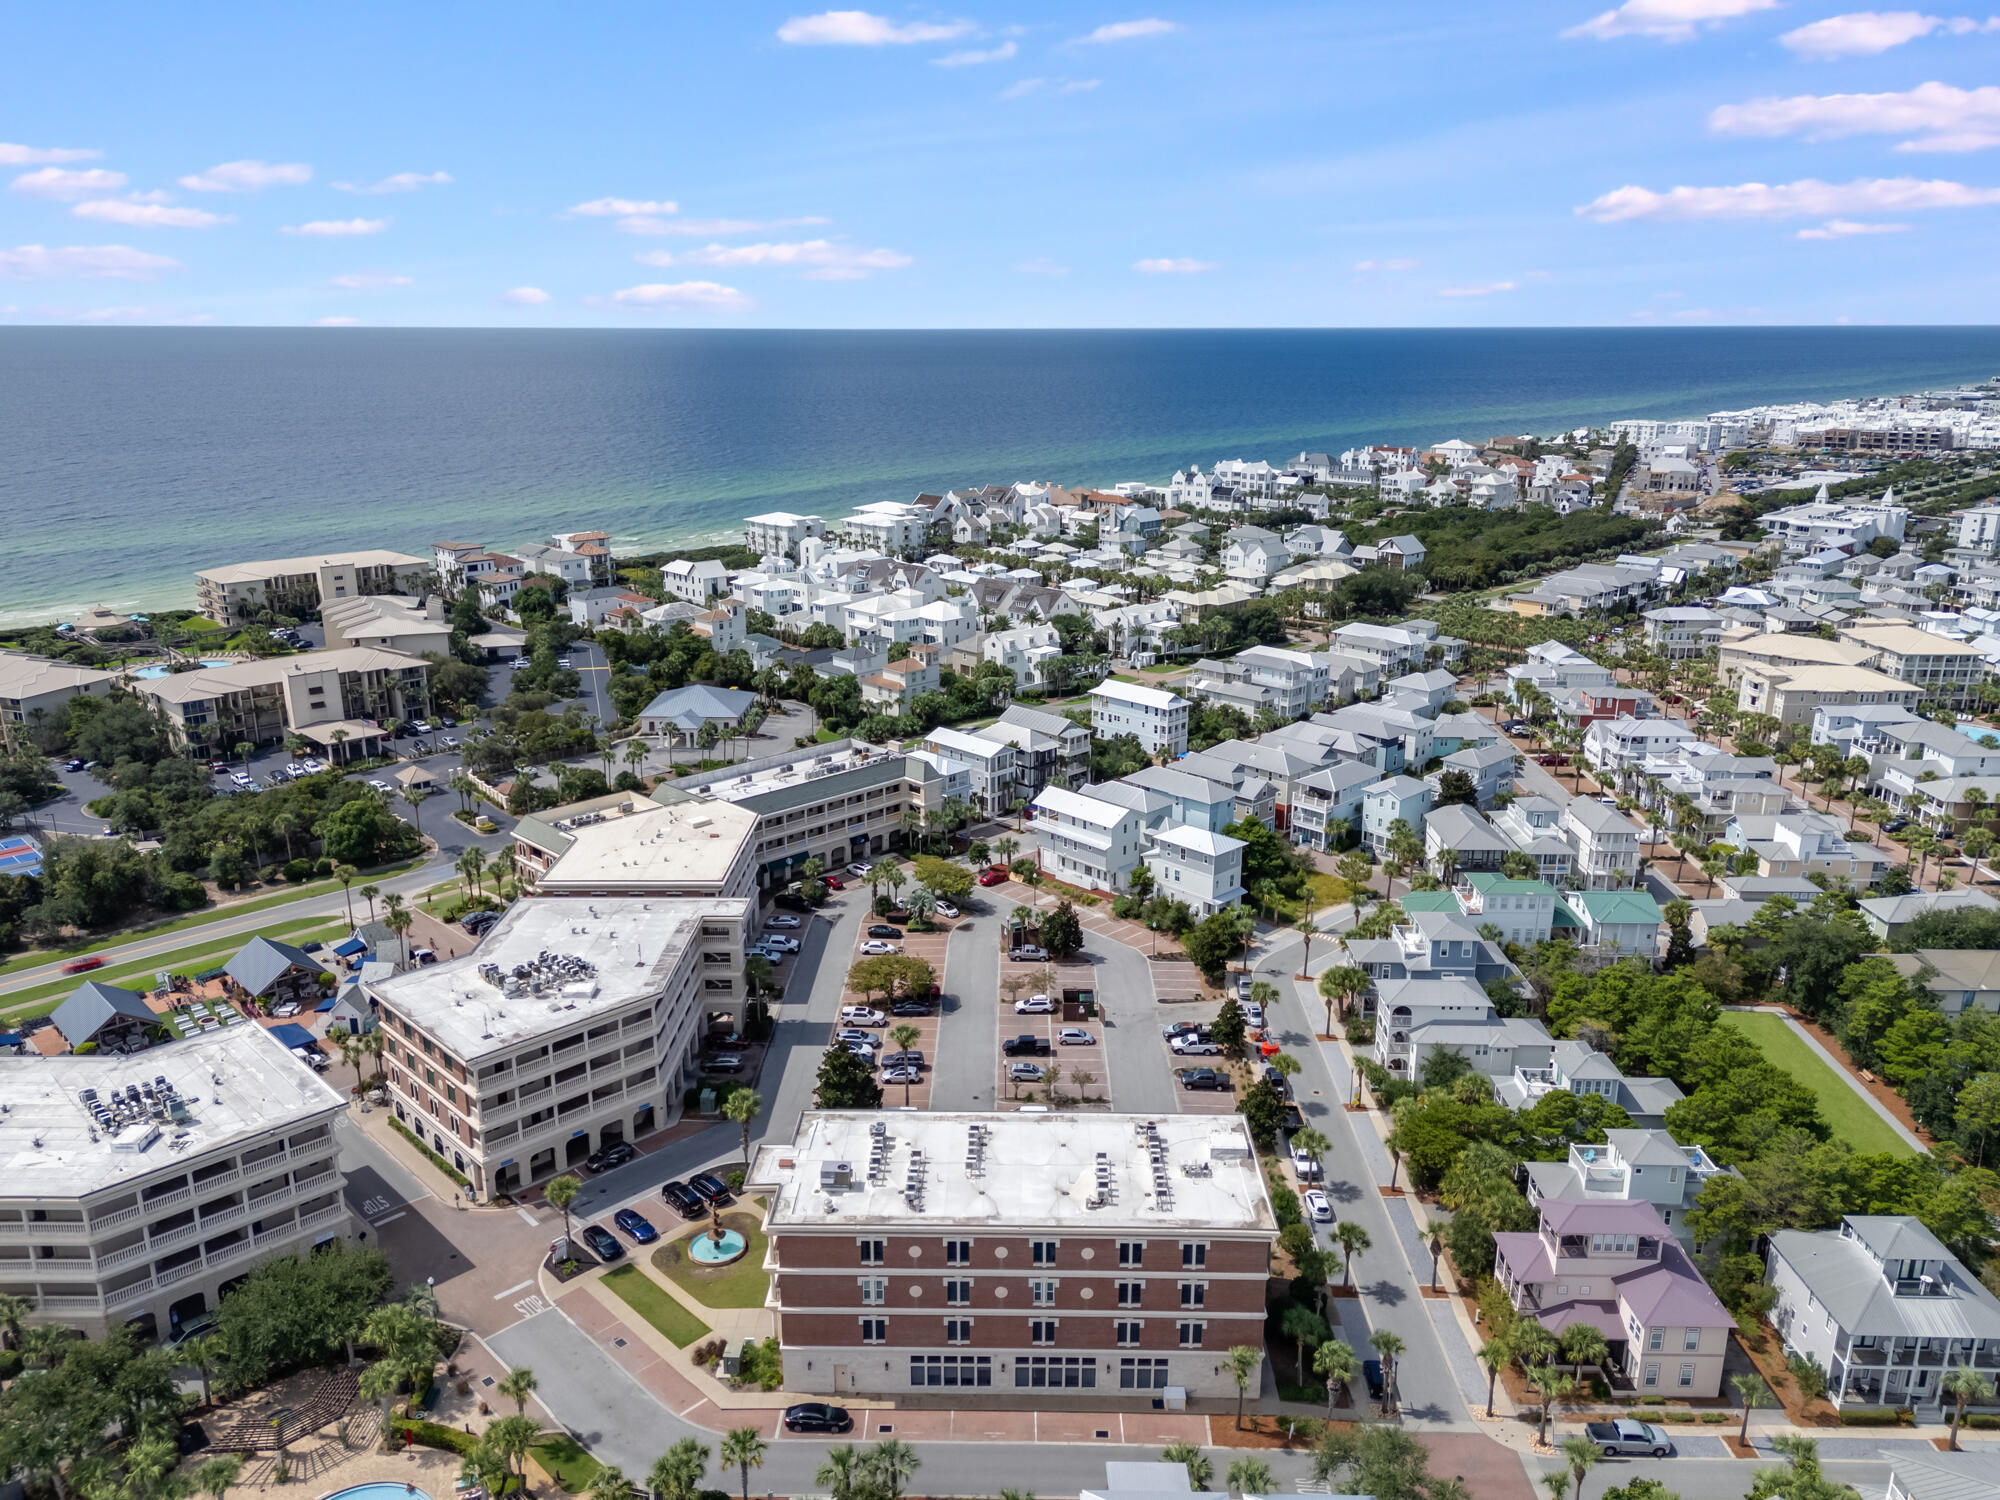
[
  {"x": 1877, "y": 1417},
  {"x": 1715, "y": 1416},
  {"x": 1285, "y": 1205},
  {"x": 322, "y": 868},
  {"x": 1981, "y": 1419},
  {"x": 435, "y": 1435},
  {"x": 763, "y": 1365},
  {"x": 298, "y": 871},
  {"x": 10, "y": 1364}
]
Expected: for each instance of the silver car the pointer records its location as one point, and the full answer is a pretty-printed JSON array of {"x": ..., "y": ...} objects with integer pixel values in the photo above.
[{"x": 1024, "y": 1072}]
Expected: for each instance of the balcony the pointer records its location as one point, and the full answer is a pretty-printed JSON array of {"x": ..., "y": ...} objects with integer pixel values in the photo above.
[{"x": 50, "y": 1229}]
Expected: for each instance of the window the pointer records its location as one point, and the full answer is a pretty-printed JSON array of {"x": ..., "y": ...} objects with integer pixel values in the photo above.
[
  {"x": 1142, "y": 1374},
  {"x": 957, "y": 1293},
  {"x": 1194, "y": 1294},
  {"x": 1656, "y": 1339},
  {"x": 874, "y": 1330},
  {"x": 1193, "y": 1255},
  {"x": 1652, "y": 1374},
  {"x": 958, "y": 1252},
  {"x": 951, "y": 1369},
  {"x": 1044, "y": 1292},
  {"x": 871, "y": 1252},
  {"x": 1042, "y": 1330},
  {"x": 1690, "y": 1339},
  {"x": 1056, "y": 1370},
  {"x": 958, "y": 1330},
  {"x": 874, "y": 1290},
  {"x": 1130, "y": 1293},
  {"x": 1687, "y": 1376},
  {"x": 1044, "y": 1252},
  {"x": 1191, "y": 1335},
  {"x": 1129, "y": 1333}
]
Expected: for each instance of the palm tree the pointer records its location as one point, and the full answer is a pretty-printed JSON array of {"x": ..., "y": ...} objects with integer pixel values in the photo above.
[
  {"x": 677, "y": 1473},
  {"x": 609, "y": 1483},
  {"x": 1335, "y": 1361},
  {"x": 218, "y": 1476},
  {"x": 1285, "y": 1065},
  {"x": 204, "y": 1353},
  {"x": 1390, "y": 1348},
  {"x": 1553, "y": 1386},
  {"x": 416, "y": 797},
  {"x": 13, "y": 1312},
  {"x": 907, "y": 1036},
  {"x": 842, "y": 1474},
  {"x": 891, "y": 1463},
  {"x": 1496, "y": 1354},
  {"x": 1313, "y": 1143},
  {"x": 743, "y": 1447},
  {"x": 742, "y": 1107},
  {"x": 1580, "y": 1453},
  {"x": 513, "y": 1437},
  {"x": 562, "y": 1192},
  {"x": 1199, "y": 1470},
  {"x": 1347, "y": 983},
  {"x": 1584, "y": 1345},
  {"x": 380, "y": 1382},
  {"x": 1249, "y": 1476},
  {"x": 369, "y": 893},
  {"x": 1751, "y": 1390},
  {"x": 517, "y": 1385},
  {"x": 1242, "y": 1364},
  {"x": 1977, "y": 843},
  {"x": 1353, "y": 1240},
  {"x": 345, "y": 875},
  {"x": 1962, "y": 1385},
  {"x": 1005, "y": 848},
  {"x": 1308, "y": 929},
  {"x": 636, "y": 751},
  {"x": 1305, "y": 1328},
  {"x": 471, "y": 865}
]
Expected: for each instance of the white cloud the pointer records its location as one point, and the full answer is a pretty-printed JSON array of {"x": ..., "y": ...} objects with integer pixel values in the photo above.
[
  {"x": 973, "y": 56},
  {"x": 697, "y": 228},
  {"x": 1385, "y": 265},
  {"x": 525, "y": 296},
  {"x": 62, "y": 183},
  {"x": 1805, "y": 199},
  {"x": 618, "y": 208},
  {"x": 858, "y": 28},
  {"x": 1933, "y": 117},
  {"x": 12, "y": 155},
  {"x": 1079, "y": 85},
  {"x": 1042, "y": 266},
  {"x": 1173, "y": 266},
  {"x": 1483, "y": 289},
  {"x": 1668, "y": 20},
  {"x": 339, "y": 323},
  {"x": 371, "y": 281},
  {"x": 1841, "y": 229},
  {"x": 1022, "y": 88},
  {"x": 818, "y": 260},
  {"x": 146, "y": 215},
  {"x": 248, "y": 177},
  {"x": 402, "y": 182},
  {"x": 694, "y": 294},
  {"x": 338, "y": 228},
  {"x": 83, "y": 262},
  {"x": 1129, "y": 31},
  {"x": 1865, "y": 33}
]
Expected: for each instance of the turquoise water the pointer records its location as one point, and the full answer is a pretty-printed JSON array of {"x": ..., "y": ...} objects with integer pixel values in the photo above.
[
  {"x": 165, "y": 671},
  {"x": 129, "y": 458},
  {"x": 380, "y": 1491}
]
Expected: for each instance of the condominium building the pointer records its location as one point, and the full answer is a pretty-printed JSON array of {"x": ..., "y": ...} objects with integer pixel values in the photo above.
[
  {"x": 1948, "y": 671},
  {"x": 780, "y": 532},
  {"x": 574, "y": 1024},
  {"x": 888, "y": 526},
  {"x": 341, "y": 699},
  {"x": 1115, "y": 1255},
  {"x": 1792, "y": 694},
  {"x": 140, "y": 1188},
  {"x": 389, "y": 622},
  {"x": 990, "y": 765},
  {"x": 1158, "y": 719},
  {"x": 298, "y": 586},
  {"x": 33, "y": 688}
]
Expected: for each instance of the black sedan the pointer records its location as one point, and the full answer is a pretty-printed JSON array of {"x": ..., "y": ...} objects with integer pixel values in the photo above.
[
  {"x": 603, "y": 1244},
  {"x": 711, "y": 1188},
  {"x": 883, "y": 930},
  {"x": 606, "y": 1157},
  {"x": 1371, "y": 1375},
  {"x": 817, "y": 1416},
  {"x": 681, "y": 1200}
]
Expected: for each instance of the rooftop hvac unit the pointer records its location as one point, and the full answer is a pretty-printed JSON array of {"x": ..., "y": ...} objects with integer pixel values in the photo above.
[{"x": 836, "y": 1176}]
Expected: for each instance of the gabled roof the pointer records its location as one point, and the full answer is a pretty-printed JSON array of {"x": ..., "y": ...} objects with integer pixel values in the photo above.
[
  {"x": 262, "y": 962},
  {"x": 92, "y": 1005}
]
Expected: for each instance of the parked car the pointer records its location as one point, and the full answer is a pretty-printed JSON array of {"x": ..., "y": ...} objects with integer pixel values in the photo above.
[
  {"x": 1029, "y": 954},
  {"x": 1189, "y": 1044},
  {"x": 1026, "y": 1046},
  {"x": 1075, "y": 1036},
  {"x": 563, "y": 662},
  {"x": 911, "y": 1008},
  {"x": 1183, "y": 1028},
  {"x": 1253, "y": 1015},
  {"x": 862, "y": 1015},
  {"x": 1551, "y": 760},
  {"x": 724, "y": 1062},
  {"x": 874, "y": 948},
  {"x": 783, "y": 919},
  {"x": 850, "y": 1034},
  {"x": 1278, "y": 1081},
  {"x": 993, "y": 876},
  {"x": 1319, "y": 1208},
  {"x": 603, "y": 1244},
  {"x": 1895, "y": 825},
  {"x": 1303, "y": 1163},
  {"x": 681, "y": 1199},
  {"x": 1243, "y": 990},
  {"x": 910, "y": 1059},
  {"x": 858, "y": 871},
  {"x": 240, "y": 779},
  {"x": 1024, "y": 1072},
  {"x": 710, "y": 1187},
  {"x": 1202, "y": 1078},
  {"x": 817, "y": 1416},
  {"x": 884, "y": 930},
  {"x": 902, "y": 1075},
  {"x": 604, "y": 1158},
  {"x": 1371, "y": 1376},
  {"x": 777, "y": 942},
  {"x": 1035, "y": 1005},
  {"x": 637, "y": 1225},
  {"x": 380, "y": 786},
  {"x": 943, "y": 908},
  {"x": 1628, "y": 1436},
  {"x": 833, "y": 882}
]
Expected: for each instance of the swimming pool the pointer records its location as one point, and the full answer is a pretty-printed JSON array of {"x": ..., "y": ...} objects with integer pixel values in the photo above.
[
  {"x": 162, "y": 670},
  {"x": 379, "y": 1491}
]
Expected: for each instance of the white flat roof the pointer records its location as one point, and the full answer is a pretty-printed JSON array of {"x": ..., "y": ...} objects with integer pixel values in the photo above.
[
  {"x": 237, "y": 1083},
  {"x": 1082, "y": 1172},
  {"x": 627, "y": 946},
  {"x": 285, "y": 567},
  {"x": 1133, "y": 693},
  {"x": 682, "y": 843}
]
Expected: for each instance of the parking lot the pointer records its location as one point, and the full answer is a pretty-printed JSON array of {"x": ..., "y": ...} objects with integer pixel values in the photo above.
[
  {"x": 1075, "y": 1070},
  {"x": 898, "y": 1088}
]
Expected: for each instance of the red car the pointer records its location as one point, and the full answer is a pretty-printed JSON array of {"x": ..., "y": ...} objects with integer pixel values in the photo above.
[
  {"x": 735, "y": 1041},
  {"x": 995, "y": 876},
  {"x": 82, "y": 965},
  {"x": 834, "y": 882}
]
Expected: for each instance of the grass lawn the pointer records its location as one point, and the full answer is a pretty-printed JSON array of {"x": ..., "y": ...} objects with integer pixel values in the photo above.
[
  {"x": 565, "y": 1461},
  {"x": 741, "y": 1283},
  {"x": 190, "y": 960},
  {"x": 1850, "y": 1116},
  {"x": 655, "y": 1304}
]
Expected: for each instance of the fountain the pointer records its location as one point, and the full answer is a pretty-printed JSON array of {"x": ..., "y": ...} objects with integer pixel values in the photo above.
[{"x": 717, "y": 1246}]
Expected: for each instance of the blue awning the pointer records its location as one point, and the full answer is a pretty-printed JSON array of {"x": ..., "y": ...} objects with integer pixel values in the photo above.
[
  {"x": 294, "y": 1036},
  {"x": 328, "y": 1003},
  {"x": 349, "y": 948}
]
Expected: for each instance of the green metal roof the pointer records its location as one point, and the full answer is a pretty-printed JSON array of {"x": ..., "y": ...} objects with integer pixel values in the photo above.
[
  {"x": 1429, "y": 901},
  {"x": 1619, "y": 906}
]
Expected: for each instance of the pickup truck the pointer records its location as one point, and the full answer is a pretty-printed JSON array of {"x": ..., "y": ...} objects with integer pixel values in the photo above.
[
  {"x": 1027, "y": 1046},
  {"x": 1627, "y": 1436}
]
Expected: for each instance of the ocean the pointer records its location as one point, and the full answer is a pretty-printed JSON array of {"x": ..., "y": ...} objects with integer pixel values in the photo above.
[{"x": 130, "y": 458}]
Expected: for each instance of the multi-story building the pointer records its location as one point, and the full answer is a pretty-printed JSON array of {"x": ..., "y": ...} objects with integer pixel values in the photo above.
[
  {"x": 1535, "y": 826},
  {"x": 341, "y": 699},
  {"x": 1679, "y": 632},
  {"x": 1117, "y": 1255},
  {"x": 1948, "y": 671},
  {"x": 297, "y": 586},
  {"x": 1159, "y": 720},
  {"x": 1611, "y": 746},
  {"x": 1201, "y": 868},
  {"x": 1049, "y": 749},
  {"x": 1883, "y": 1308},
  {"x": 1821, "y": 523},
  {"x": 141, "y": 1187},
  {"x": 574, "y": 568},
  {"x": 1392, "y": 800},
  {"x": 1577, "y": 1068},
  {"x": 990, "y": 765},
  {"x": 1631, "y": 1164},
  {"x": 1805, "y": 843},
  {"x": 888, "y": 526},
  {"x": 1289, "y": 684},
  {"x": 1617, "y": 1267},
  {"x": 1604, "y": 844},
  {"x": 1979, "y": 529},
  {"x": 33, "y": 688},
  {"x": 1192, "y": 798},
  {"x": 575, "y": 1023},
  {"x": 780, "y": 532},
  {"x": 1026, "y": 651},
  {"x": 1329, "y": 804},
  {"x": 1087, "y": 841},
  {"x": 389, "y": 622},
  {"x": 696, "y": 582}
]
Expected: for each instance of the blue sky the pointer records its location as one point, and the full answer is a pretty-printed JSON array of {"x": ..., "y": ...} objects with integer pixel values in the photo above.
[{"x": 996, "y": 164}]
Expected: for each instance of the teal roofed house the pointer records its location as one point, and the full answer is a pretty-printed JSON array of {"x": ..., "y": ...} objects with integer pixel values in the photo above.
[{"x": 1621, "y": 921}]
